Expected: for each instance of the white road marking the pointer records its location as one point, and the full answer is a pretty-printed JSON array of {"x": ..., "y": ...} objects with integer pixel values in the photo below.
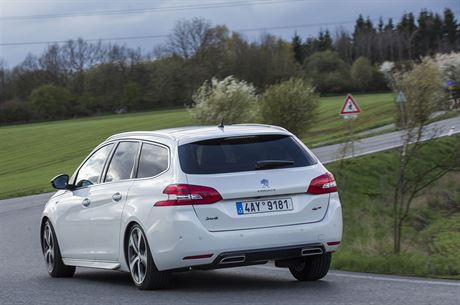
[{"x": 375, "y": 277}]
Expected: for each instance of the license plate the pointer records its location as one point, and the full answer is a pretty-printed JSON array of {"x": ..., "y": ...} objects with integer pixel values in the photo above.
[{"x": 264, "y": 206}]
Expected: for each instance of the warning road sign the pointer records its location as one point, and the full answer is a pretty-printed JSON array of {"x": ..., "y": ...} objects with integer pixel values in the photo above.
[{"x": 350, "y": 106}]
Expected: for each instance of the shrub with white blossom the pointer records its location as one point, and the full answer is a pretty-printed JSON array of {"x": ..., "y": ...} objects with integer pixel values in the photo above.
[
  {"x": 228, "y": 100},
  {"x": 449, "y": 64}
]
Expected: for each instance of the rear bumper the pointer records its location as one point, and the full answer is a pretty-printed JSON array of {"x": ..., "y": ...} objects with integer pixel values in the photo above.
[
  {"x": 284, "y": 255},
  {"x": 181, "y": 235}
]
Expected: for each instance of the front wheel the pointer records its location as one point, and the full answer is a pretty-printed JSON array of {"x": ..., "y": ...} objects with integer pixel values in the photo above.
[
  {"x": 52, "y": 254},
  {"x": 313, "y": 268},
  {"x": 144, "y": 273}
]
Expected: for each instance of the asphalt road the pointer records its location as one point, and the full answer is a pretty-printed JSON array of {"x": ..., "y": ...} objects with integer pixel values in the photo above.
[
  {"x": 386, "y": 141},
  {"x": 24, "y": 280}
]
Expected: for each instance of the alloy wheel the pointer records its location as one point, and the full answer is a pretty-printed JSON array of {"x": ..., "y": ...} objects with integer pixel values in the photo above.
[
  {"x": 137, "y": 255},
  {"x": 48, "y": 247}
]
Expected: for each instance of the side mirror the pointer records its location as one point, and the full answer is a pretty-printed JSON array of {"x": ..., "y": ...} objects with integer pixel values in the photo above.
[{"x": 60, "y": 182}]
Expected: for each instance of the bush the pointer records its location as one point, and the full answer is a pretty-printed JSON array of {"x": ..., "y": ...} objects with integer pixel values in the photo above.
[
  {"x": 424, "y": 91},
  {"x": 328, "y": 72},
  {"x": 51, "y": 102},
  {"x": 229, "y": 100},
  {"x": 292, "y": 104},
  {"x": 133, "y": 97},
  {"x": 361, "y": 73},
  {"x": 14, "y": 111}
]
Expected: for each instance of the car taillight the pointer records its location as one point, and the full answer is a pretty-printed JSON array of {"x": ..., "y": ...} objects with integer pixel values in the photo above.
[
  {"x": 186, "y": 194},
  {"x": 322, "y": 185}
]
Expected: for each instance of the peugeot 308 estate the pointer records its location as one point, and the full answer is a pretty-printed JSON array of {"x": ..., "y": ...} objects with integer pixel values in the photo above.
[{"x": 155, "y": 203}]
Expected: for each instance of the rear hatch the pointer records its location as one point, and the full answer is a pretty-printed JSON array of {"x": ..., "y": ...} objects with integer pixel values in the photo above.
[{"x": 263, "y": 180}]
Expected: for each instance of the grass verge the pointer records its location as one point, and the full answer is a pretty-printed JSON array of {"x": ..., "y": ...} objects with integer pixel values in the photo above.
[{"x": 431, "y": 235}]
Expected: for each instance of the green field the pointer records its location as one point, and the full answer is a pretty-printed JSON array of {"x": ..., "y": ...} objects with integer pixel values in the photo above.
[
  {"x": 32, "y": 154},
  {"x": 431, "y": 235},
  {"x": 377, "y": 110}
]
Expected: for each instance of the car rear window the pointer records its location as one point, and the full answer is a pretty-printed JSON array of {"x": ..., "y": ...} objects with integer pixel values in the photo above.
[{"x": 240, "y": 154}]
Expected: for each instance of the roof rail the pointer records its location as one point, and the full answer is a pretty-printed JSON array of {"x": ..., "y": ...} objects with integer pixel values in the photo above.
[{"x": 140, "y": 133}]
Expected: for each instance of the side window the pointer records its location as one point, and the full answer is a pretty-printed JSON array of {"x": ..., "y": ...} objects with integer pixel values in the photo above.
[
  {"x": 153, "y": 160},
  {"x": 92, "y": 169},
  {"x": 122, "y": 163}
]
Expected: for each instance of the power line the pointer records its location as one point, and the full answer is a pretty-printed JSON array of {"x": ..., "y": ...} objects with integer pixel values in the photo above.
[
  {"x": 149, "y": 10},
  {"x": 156, "y": 36}
]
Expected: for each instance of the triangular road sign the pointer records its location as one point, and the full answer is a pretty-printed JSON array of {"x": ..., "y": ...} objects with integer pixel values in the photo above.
[{"x": 350, "y": 106}]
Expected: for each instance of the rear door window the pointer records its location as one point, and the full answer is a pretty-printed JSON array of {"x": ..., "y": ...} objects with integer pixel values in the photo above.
[
  {"x": 239, "y": 154},
  {"x": 153, "y": 160},
  {"x": 122, "y": 164}
]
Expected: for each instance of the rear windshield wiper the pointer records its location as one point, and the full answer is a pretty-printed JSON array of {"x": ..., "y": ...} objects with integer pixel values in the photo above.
[{"x": 264, "y": 164}]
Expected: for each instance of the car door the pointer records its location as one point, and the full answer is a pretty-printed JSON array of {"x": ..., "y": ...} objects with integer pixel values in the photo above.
[
  {"x": 73, "y": 215},
  {"x": 108, "y": 199}
]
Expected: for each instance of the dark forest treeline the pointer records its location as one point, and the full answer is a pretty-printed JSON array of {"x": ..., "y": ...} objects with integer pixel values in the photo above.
[{"x": 79, "y": 78}]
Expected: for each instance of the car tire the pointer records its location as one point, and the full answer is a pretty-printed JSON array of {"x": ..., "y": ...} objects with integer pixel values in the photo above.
[
  {"x": 143, "y": 270},
  {"x": 52, "y": 253},
  {"x": 313, "y": 268}
]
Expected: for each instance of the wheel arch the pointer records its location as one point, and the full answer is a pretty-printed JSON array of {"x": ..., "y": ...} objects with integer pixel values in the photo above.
[
  {"x": 42, "y": 227},
  {"x": 126, "y": 238}
]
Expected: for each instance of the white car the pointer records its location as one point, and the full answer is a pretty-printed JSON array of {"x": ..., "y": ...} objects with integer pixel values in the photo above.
[{"x": 153, "y": 203}]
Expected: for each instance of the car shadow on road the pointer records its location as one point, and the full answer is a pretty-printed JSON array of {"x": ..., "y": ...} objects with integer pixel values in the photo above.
[{"x": 214, "y": 280}]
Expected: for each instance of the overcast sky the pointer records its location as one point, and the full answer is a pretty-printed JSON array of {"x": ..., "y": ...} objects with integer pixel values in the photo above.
[{"x": 159, "y": 16}]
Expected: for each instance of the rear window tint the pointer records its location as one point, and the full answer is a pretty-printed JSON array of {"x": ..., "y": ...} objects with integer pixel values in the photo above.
[
  {"x": 122, "y": 163},
  {"x": 240, "y": 154},
  {"x": 153, "y": 160}
]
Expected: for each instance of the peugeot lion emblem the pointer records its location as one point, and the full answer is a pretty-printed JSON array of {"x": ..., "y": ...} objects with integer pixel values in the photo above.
[{"x": 264, "y": 183}]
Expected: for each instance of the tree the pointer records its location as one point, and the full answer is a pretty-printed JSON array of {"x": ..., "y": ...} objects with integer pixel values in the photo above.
[
  {"x": 324, "y": 41},
  {"x": 133, "y": 97},
  {"x": 361, "y": 73},
  {"x": 51, "y": 102},
  {"x": 449, "y": 31},
  {"x": 363, "y": 38},
  {"x": 327, "y": 72},
  {"x": 3, "y": 81},
  {"x": 297, "y": 48},
  {"x": 14, "y": 111},
  {"x": 188, "y": 36},
  {"x": 52, "y": 62},
  {"x": 291, "y": 104},
  {"x": 344, "y": 46},
  {"x": 80, "y": 55},
  {"x": 418, "y": 169},
  {"x": 229, "y": 101},
  {"x": 166, "y": 85}
]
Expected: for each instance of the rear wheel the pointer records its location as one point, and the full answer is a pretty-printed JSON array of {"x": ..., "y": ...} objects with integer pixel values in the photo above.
[
  {"x": 313, "y": 268},
  {"x": 52, "y": 254},
  {"x": 144, "y": 273}
]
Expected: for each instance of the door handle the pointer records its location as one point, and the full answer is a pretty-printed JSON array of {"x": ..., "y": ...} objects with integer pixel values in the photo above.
[
  {"x": 86, "y": 202},
  {"x": 116, "y": 197}
]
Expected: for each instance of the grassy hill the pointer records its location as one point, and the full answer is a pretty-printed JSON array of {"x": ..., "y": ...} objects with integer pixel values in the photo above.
[
  {"x": 32, "y": 154},
  {"x": 431, "y": 236}
]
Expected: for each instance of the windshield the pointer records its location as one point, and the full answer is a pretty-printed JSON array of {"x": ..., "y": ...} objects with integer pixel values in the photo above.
[{"x": 240, "y": 154}]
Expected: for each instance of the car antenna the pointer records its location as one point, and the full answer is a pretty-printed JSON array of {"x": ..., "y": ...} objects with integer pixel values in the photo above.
[{"x": 221, "y": 125}]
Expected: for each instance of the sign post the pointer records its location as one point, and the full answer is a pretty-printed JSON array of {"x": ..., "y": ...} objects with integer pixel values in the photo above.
[{"x": 350, "y": 110}]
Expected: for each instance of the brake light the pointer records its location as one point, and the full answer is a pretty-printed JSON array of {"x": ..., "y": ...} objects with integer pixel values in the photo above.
[
  {"x": 186, "y": 194},
  {"x": 323, "y": 184}
]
